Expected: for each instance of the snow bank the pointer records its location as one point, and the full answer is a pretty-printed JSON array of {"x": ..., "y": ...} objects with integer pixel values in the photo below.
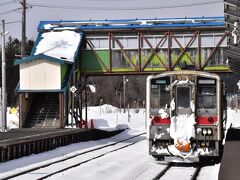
[
  {"x": 109, "y": 118},
  {"x": 106, "y": 108}
]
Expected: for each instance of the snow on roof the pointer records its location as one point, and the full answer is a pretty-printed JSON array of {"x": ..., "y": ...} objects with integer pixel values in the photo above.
[
  {"x": 61, "y": 45},
  {"x": 133, "y": 23}
]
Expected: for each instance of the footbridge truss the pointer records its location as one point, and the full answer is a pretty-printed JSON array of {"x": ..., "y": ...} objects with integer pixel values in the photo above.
[{"x": 67, "y": 52}]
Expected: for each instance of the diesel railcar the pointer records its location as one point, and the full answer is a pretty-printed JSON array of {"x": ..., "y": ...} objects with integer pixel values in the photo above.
[{"x": 186, "y": 112}]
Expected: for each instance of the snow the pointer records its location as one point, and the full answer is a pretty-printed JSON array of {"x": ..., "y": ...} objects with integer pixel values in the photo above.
[
  {"x": 60, "y": 45},
  {"x": 172, "y": 105},
  {"x": 209, "y": 172},
  {"x": 163, "y": 114},
  {"x": 131, "y": 163},
  {"x": 12, "y": 119},
  {"x": 92, "y": 88},
  {"x": 108, "y": 117},
  {"x": 182, "y": 127},
  {"x": 233, "y": 117},
  {"x": 48, "y": 26}
]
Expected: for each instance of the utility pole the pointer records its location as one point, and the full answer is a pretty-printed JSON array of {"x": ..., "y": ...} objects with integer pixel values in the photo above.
[
  {"x": 23, "y": 42},
  {"x": 124, "y": 93},
  {"x": 4, "y": 99}
]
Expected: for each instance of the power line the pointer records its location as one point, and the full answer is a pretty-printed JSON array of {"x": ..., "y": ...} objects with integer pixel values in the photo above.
[
  {"x": 6, "y": 3},
  {"x": 10, "y": 11},
  {"x": 13, "y": 22},
  {"x": 125, "y": 8},
  {"x": 108, "y": 0}
]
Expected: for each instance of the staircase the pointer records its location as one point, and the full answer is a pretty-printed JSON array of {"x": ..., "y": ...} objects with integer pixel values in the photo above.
[{"x": 44, "y": 112}]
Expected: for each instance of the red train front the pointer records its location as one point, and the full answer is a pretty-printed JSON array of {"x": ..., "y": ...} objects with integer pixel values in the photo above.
[{"x": 186, "y": 111}]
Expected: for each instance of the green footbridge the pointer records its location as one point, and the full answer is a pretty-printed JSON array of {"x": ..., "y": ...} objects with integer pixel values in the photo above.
[{"x": 53, "y": 79}]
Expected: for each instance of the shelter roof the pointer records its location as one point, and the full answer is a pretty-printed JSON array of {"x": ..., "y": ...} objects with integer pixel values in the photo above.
[{"x": 58, "y": 46}]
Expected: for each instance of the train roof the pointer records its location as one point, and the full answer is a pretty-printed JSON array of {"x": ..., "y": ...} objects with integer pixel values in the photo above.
[
  {"x": 132, "y": 23},
  {"x": 187, "y": 72}
]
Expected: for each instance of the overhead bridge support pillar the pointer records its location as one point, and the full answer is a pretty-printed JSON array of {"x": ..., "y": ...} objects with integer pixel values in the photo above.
[
  {"x": 61, "y": 110},
  {"x": 83, "y": 100}
]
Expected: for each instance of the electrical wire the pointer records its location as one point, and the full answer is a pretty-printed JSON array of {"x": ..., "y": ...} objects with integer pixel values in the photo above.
[
  {"x": 6, "y": 3},
  {"x": 123, "y": 8},
  {"x": 10, "y": 11},
  {"x": 109, "y": 0},
  {"x": 13, "y": 22}
]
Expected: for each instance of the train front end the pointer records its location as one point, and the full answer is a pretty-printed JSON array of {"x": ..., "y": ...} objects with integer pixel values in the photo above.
[{"x": 185, "y": 112}]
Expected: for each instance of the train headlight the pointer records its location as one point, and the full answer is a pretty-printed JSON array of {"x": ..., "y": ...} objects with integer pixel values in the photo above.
[
  {"x": 210, "y": 120},
  {"x": 199, "y": 130},
  {"x": 204, "y": 131},
  {"x": 209, "y": 131}
]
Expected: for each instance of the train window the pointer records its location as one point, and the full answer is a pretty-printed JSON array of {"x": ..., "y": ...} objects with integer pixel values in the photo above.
[
  {"x": 160, "y": 98},
  {"x": 207, "y": 97},
  {"x": 183, "y": 100}
]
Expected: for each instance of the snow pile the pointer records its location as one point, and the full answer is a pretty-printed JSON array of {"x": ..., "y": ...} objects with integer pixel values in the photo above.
[
  {"x": 182, "y": 82},
  {"x": 172, "y": 105},
  {"x": 181, "y": 130},
  {"x": 109, "y": 118},
  {"x": 61, "y": 45},
  {"x": 122, "y": 126},
  {"x": 12, "y": 118},
  {"x": 182, "y": 127},
  {"x": 163, "y": 114},
  {"x": 106, "y": 108},
  {"x": 233, "y": 118},
  {"x": 12, "y": 122}
]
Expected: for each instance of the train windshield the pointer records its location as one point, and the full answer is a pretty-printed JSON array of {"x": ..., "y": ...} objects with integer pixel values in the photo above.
[
  {"x": 183, "y": 100},
  {"x": 160, "y": 99},
  {"x": 207, "y": 97}
]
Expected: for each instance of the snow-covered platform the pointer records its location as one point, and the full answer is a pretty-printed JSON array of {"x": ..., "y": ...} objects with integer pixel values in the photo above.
[
  {"x": 17, "y": 143},
  {"x": 230, "y": 165}
]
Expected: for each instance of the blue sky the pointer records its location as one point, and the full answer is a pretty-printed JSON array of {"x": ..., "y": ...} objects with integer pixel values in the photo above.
[{"x": 101, "y": 9}]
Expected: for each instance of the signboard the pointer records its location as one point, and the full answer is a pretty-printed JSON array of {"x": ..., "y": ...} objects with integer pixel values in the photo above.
[{"x": 73, "y": 89}]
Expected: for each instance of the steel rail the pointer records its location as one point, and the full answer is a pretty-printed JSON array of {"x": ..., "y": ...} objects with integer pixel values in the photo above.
[
  {"x": 74, "y": 156},
  {"x": 159, "y": 175},
  {"x": 162, "y": 173},
  {"x": 194, "y": 176}
]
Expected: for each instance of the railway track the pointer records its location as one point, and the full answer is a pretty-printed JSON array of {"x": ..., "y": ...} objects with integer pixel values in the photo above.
[
  {"x": 191, "y": 172},
  {"x": 69, "y": 162}
]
